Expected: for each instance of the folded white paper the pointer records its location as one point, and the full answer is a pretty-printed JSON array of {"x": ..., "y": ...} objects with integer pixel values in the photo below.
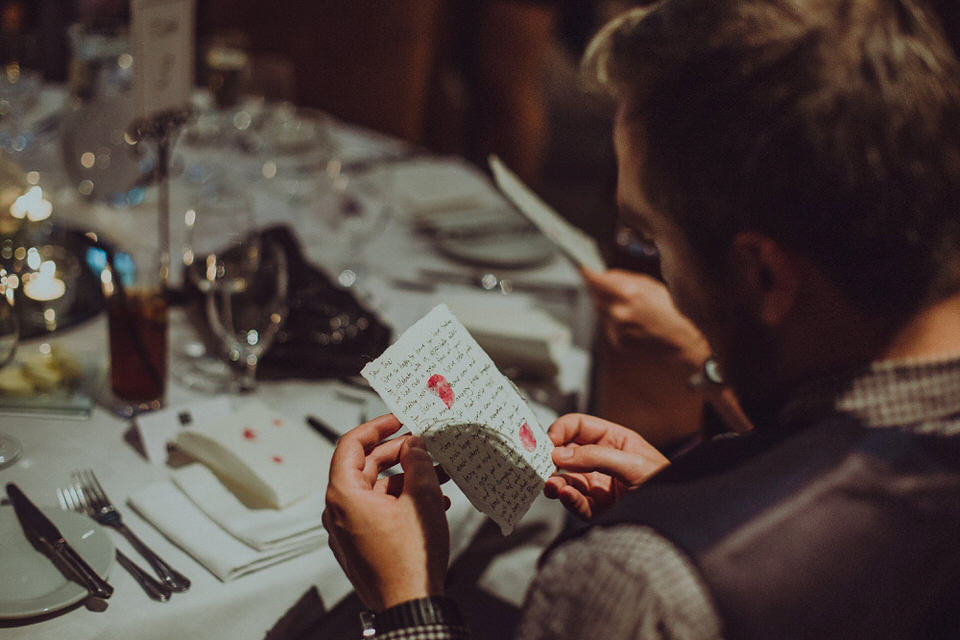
[
  {"x": 577, "y": 245},
  {"x": 439, "y": 382},
  {"x": 264, "y": 459},
  {"x": 158, "y": 428},
  {"x": 175, "y": 515}
]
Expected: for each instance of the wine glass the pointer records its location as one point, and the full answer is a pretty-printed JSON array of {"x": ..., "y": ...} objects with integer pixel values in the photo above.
[
  {"x": 247, "y": 303},
  {"x": 10, "y": 449},
  {"x": 357, "y": 209},
  {"x": 225, "y": 68},
  {"x": 220, "y": 220},
  {"x": 19, "y": 93},
  {"x": 293, "y": 146}
]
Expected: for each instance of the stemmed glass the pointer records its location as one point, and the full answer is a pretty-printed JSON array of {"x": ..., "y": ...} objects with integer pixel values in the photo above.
[
  {"x": 10, "y": 449},
  {"x": 246, "y": 302},
  {"x": 226, "y": 67},
  {"x": 220, "y": 220},
  {"x": 357, "y": 208},
  {"x": 19, "y": 93}
]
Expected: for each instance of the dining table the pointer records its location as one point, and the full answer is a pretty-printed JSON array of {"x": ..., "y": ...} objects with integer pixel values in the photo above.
[{"x": 404, "y": 274}]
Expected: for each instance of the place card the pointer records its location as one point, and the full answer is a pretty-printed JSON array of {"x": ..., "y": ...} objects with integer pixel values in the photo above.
[
  {"x": 265, "y": 459},
  {"x": 162, "y": 34},
  {"x": 574, "y": 243},
  {"x": 439, "y": 383},
  {"x": 157, "y": 429}
]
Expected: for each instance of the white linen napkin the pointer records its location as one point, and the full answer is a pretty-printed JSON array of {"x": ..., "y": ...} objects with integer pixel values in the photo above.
[
  {"x": 263, "y": 529},
  {"x": 228, "y": 538},
  {"x": 514, "y": 332}
]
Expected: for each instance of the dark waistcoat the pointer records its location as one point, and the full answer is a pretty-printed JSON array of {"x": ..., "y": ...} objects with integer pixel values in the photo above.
[{"x": 832, "y": 531}]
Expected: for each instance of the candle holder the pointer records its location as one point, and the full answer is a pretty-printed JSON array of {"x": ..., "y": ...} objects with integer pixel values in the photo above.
[
  {"x": 44, "y": 262},
  {"x": 48, "y": 286}
]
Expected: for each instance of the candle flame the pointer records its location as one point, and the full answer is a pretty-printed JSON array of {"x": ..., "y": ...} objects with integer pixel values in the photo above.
[{"x": 32, "y": 205}]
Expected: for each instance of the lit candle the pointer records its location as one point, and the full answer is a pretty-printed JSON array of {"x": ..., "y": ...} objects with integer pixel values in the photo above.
[
  {"x": 32, "y": 206},
  {"x": 44, "y": 285}
]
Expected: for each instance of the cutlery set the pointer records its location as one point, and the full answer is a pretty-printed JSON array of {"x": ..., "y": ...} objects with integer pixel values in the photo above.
[
  {"x": 41, "y": 529},
  {"x": 86, "y": 496}
]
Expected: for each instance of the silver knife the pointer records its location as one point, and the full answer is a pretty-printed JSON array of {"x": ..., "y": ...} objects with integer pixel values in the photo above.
[{"x": 38, "y": 525}]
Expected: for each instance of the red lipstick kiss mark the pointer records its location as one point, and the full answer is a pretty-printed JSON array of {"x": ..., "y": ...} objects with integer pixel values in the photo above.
[
  {"x": 438, "y": 384},
  {"x": 249, "y": 434},
  {"x": 527, "y": 438},
  {"x": 277, "y": 459}
]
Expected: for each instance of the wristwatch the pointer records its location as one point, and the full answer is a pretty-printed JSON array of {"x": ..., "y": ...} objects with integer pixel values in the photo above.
[
  {"x": 719, "y": 396},
  {"x": 709, "y": 376},
  {"x": 412, "y": 613}
]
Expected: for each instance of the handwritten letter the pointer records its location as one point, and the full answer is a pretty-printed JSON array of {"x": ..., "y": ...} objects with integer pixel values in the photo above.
[{"x": 439, "y": 382}]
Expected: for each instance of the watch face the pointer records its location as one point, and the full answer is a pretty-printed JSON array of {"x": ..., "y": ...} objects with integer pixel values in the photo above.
[{"x": 711, "y": 371}]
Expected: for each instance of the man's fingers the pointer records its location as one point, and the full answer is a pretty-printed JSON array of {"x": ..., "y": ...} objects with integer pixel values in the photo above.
[
  {"x": 347, "y": 469},
  {"x": 382, "y": 456},
  {"x": 628, "y": 466},
  {"x": 393, "y": 484},
  {"x": 580, "y": 428},
  {"x": 375, "y": 431},
  {"x": 419, "y": 475},
  {"x": 576, "y": 503}
]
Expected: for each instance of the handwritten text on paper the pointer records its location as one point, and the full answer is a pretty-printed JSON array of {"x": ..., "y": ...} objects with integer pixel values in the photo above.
[{"x": 439, "y": 382}]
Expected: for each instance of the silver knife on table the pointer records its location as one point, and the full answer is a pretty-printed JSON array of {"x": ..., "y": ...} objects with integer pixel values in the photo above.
[{"x": 38, "y": 525}]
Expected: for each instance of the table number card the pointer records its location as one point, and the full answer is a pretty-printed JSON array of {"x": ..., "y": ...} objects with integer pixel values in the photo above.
[
  {"x": 439, "y": 383},
  {"x": 162, "y": 41}
]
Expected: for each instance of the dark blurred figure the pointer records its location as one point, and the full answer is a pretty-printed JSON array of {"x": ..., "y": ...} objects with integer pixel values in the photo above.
[
  {"x": 949, "y": 12},
  {"x": 460, "y": 76},
  {"x": 33, "y": 33},
  {"x": 366, "y": 61},
  {"x": 488, "y": 86}
]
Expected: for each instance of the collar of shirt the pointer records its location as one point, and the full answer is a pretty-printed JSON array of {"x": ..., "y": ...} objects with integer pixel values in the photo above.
[{"x": 917, "y": 395}]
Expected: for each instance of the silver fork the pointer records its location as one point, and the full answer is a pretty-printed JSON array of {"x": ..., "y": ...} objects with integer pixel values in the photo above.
[
  {"x": 72, "y": 500},
  {"x": 103, "y": 511}
]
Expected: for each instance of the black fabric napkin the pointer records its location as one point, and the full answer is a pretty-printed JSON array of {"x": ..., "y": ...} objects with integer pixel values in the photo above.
[{"x": 328, "y": 332}]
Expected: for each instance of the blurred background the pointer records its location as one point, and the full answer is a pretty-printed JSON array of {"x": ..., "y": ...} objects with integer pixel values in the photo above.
[{"x": 469, "y": 77}]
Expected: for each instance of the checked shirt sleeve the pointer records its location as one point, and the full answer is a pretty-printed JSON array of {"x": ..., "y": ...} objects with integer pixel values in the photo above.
[{"x": 427, "y": 632}]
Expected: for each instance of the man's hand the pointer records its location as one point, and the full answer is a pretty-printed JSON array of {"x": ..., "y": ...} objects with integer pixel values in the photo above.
[
  {"x": 638, "y": 311},
  {"x": 598, "y": 462},
  {"x": 649, "y": 348},
  {"x": 390, "y": 535}
]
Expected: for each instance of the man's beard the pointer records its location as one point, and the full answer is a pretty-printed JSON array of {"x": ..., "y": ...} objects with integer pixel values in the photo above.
[{"x": 749, "y": 362}]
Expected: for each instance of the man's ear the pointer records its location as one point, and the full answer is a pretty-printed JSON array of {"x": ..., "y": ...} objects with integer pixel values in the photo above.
[{"x": 767, "y": 275}]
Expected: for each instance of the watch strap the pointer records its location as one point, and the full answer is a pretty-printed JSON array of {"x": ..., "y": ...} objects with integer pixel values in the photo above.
[{"x": 422, "y": 611}]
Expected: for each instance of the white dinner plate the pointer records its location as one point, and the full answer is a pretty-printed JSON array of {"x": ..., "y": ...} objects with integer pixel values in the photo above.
[
  {"x": 30, "y": 584},
  {"x": 510, "y": 251}
]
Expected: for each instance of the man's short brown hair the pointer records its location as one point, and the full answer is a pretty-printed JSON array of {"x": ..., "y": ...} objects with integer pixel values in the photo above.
[{"x": 832, "y": 126}]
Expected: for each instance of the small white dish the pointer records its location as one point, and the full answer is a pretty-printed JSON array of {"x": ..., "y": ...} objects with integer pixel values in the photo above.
[{"x": 30, "y": 583}]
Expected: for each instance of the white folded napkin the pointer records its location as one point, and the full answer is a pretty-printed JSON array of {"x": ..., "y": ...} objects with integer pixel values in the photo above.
[
  {"x": 514, "y": 332},
  {"x": 263, "y": 529},
  {"x": 225, "y": 536}
]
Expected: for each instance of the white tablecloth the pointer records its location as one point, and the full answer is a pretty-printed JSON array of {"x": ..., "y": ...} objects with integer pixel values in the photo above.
[{"x": 249, "y": 606}]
